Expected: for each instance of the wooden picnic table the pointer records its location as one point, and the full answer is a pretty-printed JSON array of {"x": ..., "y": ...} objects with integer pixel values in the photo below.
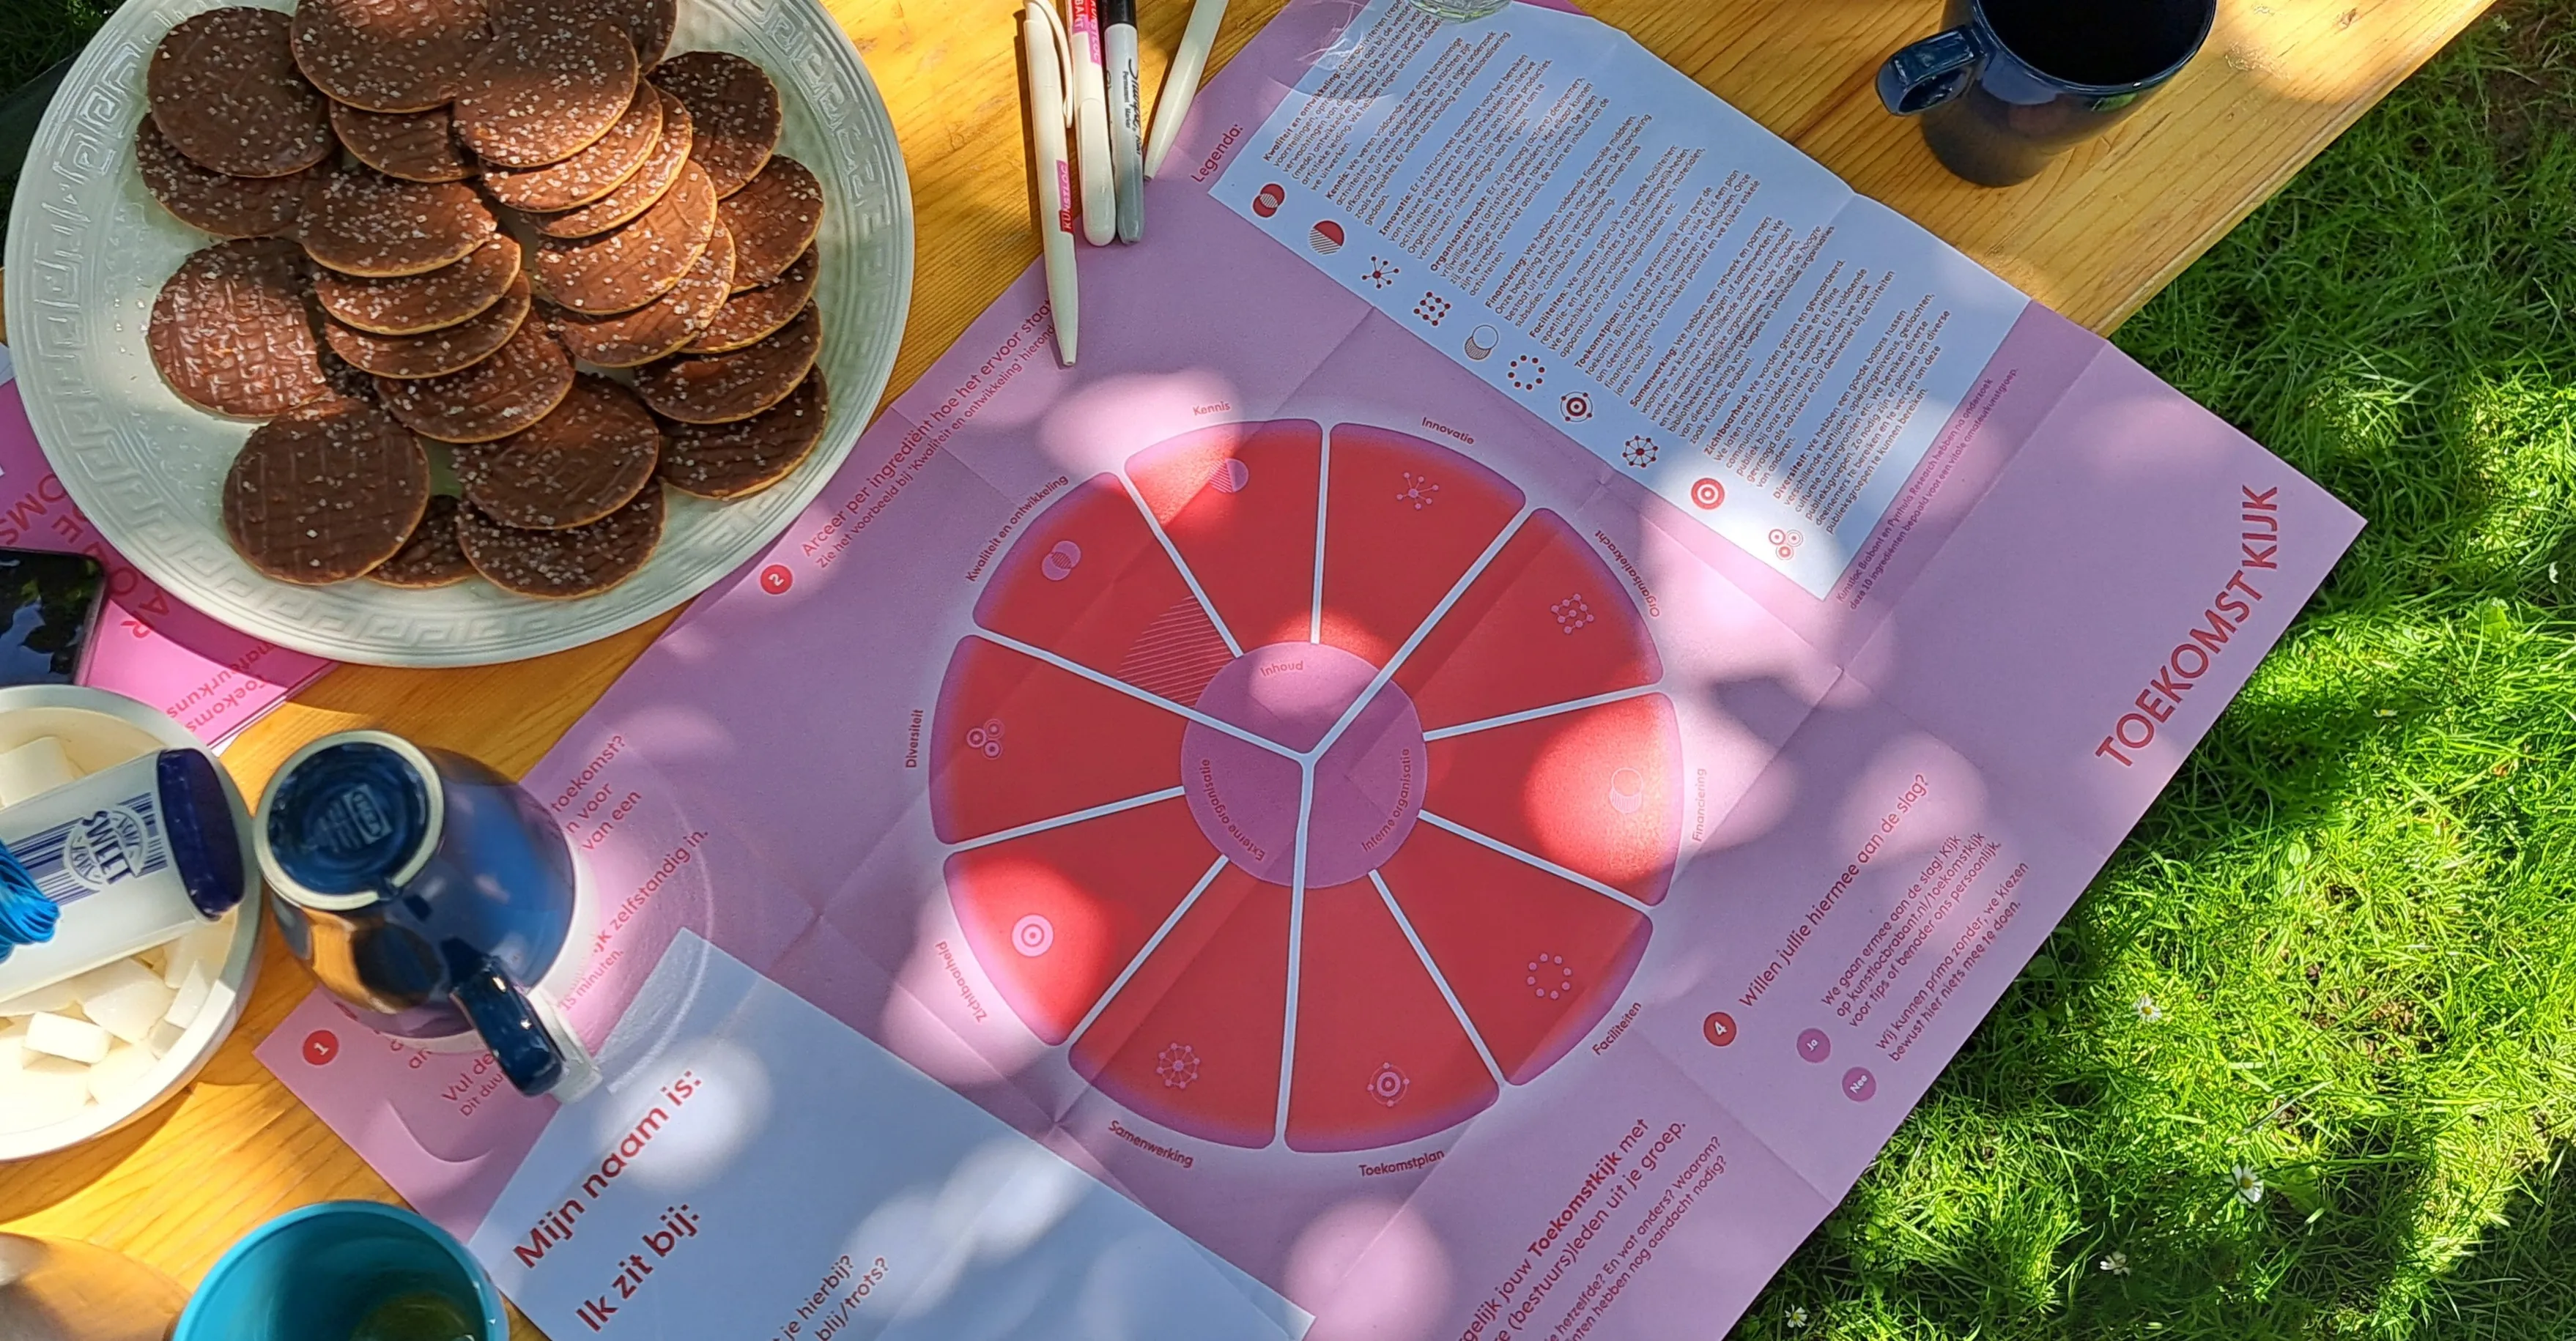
[{"x": 2095, "y": 237}]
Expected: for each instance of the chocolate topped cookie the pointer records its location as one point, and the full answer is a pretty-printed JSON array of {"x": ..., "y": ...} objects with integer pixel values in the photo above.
[
  {"x": 493, "y": 399},
  {"x": 218, "y": 203},
  {"x": 427, "y": 302},
  {"x": 362, "y": 222},
  {"x": 735, "y": 108},
  {"x": 660, "y": 327},
  {"x": 590, "y": 174},
  {"x": 544, "y": 90},
  {"x": 581, "y": 561},
  {"x": 621, "y": 270},
  {"x": 437, "y": 353},
  {"x": 415, "y": 146},
  {"x": 431, "y": 557},
  {"x": 325, "y": 492},
  {"x": 390, "y": 55},
  {"x": 647, "y": 23},
  {"x": 754, "y": 315},
  {"x": 720, "y": 388},
  {"x": 587, "y": 458},
  {"x": 773, "y": 219},
  {"x": 232, "y": 331},
  {"x": 748, "y": 455},
  {"x": 224, "y": 88},
  {"x": 637, "y": 193}
]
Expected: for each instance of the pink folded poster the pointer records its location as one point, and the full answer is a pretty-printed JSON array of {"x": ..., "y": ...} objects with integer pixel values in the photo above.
[
  {"x": 209, "y": 678},
  {"x": 1456, "y": 778}
]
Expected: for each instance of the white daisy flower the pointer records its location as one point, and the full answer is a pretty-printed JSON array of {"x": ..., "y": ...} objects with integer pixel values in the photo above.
[
  {"x": 1797, "y": 1319},
  {"x": 2149, "y": 1011},
  {"x": 2117, "y": 1264},
  {"x": 2248, "y": 1184}
]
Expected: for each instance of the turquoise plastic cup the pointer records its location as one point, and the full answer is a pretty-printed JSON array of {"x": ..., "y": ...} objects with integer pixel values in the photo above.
[{"x": 313, "y": 1275}]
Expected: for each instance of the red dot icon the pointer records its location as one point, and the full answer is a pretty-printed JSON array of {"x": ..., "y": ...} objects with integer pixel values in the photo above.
[
  {"x": 775, "y": 579},
  {"x": 1707, "y": 495},
  {"x": 1720, "y": 1029},
  {"x": 321, "y": 1046}
]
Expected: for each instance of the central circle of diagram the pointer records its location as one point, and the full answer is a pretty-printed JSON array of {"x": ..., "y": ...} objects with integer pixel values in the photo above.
[
  {"x": 1302, "y": 786},
  {"x": 1367, "y": 783}
]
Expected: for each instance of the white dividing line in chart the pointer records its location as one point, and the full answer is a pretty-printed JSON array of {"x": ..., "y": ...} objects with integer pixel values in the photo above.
[
  {"x": 1386, "y": 673},
  {"x": 1551, "y": 710},
  {"x": 1152, "y": 943},
  {"x": 1438, "y": 979},
  {"x": 1077, "y": 817},
  {"x": 1323, "y": 496},
  {"x": 1197, "y": 592},
  {"x": 1296, "y": 946},
  {"x": 1565, "y": 873},
  {"x": 1112, "y": 682}
]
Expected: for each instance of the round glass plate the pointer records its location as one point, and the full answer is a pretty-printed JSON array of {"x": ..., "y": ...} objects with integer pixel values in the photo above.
[{"x": 89, "y": 247}]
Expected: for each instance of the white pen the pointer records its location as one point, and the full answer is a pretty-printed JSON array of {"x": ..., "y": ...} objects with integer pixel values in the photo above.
[
  {"x": 1126, "y": 114},
  {"x": 1050, "y": 59},
  {"x": 1182, "y": 83},
  {"x": 1090, "y": 94}
]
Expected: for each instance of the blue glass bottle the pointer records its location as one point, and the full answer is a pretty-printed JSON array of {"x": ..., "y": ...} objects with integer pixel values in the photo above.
[{"x": 425, "y": 890}]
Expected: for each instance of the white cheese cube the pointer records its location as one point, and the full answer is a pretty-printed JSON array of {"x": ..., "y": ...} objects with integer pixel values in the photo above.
[
  {"x": 70, "y": 1039},
  {"x": 204, "y": 947},
  {"x": 34, "y": 769},
  {"x": 124, "y": 998},
  {"x": 116, "y": 1078},
  {"x": 43, "y": 1092},
  {"x": 190, "y": 1000}
]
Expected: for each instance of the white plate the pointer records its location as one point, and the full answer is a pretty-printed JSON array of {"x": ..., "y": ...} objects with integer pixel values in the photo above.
[
  {"x": 89, "y": 248},
  {"x": 104, "y": 730}
]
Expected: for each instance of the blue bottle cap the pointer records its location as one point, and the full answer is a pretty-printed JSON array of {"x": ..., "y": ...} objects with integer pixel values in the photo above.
[
  {"x": 198, "y": 817},
  {"x": 351, "y": 818}
]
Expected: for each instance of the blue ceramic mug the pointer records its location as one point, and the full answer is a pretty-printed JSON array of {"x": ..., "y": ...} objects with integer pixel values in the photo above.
[
  {"x": 2011, "y": 83},
  {"x": 319, "y": 1273},
  {"x": 426, "y": 891}
]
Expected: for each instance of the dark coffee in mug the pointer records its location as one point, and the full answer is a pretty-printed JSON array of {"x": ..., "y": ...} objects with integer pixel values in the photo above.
[
  {"x": 2013, "y": 82},
  {"x": 2097, "y": 43}
]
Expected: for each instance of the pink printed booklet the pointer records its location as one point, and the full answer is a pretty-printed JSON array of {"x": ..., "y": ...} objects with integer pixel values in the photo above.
[
  {"x": 211, "y": 679},
  {"x": 1456, "y": 778}
]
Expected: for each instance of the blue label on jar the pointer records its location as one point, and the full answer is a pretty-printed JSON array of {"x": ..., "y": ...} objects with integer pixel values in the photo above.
[{"x": 97, "y": 851}]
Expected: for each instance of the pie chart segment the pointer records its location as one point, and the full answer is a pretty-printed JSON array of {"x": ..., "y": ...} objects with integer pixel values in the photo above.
[
  {"x": 1193, "y": 1040},
  {"x": 1546, "y": 623},
  {"x": 1088, "y": 582},
  {"x": 1053, "y": 917},
  {"x": 1405, "y": 520},
  {"x": 1380, "y": 1057},
  {"x": 1238, "y": 502},
  {"x": 1597, "y": 790},
  {"x": 1015, "y": 740},
  {"x": 1536, "y": 960}
]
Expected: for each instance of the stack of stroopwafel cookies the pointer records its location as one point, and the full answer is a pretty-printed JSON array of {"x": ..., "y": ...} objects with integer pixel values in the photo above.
[{"x": 493, "y": 274}]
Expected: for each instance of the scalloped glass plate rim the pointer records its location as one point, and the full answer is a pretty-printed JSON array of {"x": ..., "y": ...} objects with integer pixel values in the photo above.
[{"x": 88, "y": 249}]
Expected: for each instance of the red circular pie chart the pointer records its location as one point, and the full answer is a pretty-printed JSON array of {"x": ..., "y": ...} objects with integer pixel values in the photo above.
[{"x": 1306, "y": 785}]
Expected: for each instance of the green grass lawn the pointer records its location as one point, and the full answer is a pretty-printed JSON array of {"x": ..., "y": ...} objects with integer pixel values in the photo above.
[
  {"x": 2341, "y": 952},
  {"x": 36, "y": 33}
]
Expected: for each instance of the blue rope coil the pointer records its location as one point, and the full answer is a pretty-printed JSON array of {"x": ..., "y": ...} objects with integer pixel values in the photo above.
[{"x": 27, "y": 917}]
